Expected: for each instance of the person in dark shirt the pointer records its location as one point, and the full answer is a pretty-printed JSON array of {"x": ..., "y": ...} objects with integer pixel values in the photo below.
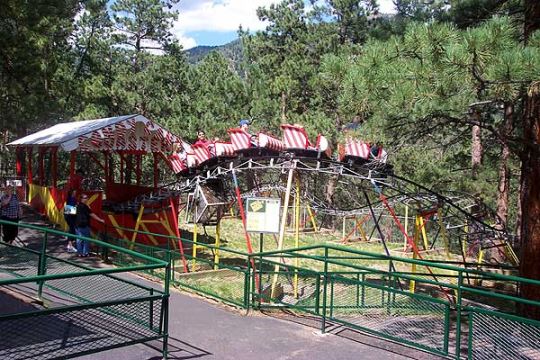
[
  {"x": 70, "y": 215},
  {"x": 82, "y": 225},
  {"x": 10, "y": 211}
]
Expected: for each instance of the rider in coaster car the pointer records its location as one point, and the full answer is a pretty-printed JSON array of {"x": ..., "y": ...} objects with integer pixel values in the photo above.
[
  {"x": 244, "y": 126},
  {"x": 202, "y": 140}
]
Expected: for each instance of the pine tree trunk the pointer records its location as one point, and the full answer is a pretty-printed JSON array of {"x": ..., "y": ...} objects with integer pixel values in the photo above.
[
  {"x": 504, "y": 172},
  {"x": 532, "y": 17},
  {"x": 329, "y": 191},
  {"x": 283, "y": 106},
  {"x": 530, "y": 178},
  {"x": 476, "y": 147},
  {"x": 530, "y": 197}
]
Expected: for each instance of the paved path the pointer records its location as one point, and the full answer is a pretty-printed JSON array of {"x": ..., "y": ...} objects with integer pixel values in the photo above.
[{"x": 202, "y": 329}]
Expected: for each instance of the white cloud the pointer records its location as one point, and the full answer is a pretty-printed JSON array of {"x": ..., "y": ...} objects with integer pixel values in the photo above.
[
  {"x": 227, "y": 16},
  {"x": 220, "y": 16},
  {"x": 187, "y": 42},
  {"x": 387, "y": 7}
]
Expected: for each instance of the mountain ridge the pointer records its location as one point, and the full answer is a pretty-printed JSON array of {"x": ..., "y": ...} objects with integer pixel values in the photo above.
[{"x": 231, "y": 50}]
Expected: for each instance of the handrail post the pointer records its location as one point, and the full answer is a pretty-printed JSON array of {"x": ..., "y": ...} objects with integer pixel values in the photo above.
[
  {"x": 458, "y": 312},
  {"x": 325, "y": 279},
  {"x": 259, "y": 290},
  {"x": 247, "y": 282},
  {"x": 151, "y": 317},
  {"x": 318, "y": 292},
  {"x": 42, "y": 266},
  {"x": 165, "y": 306}
]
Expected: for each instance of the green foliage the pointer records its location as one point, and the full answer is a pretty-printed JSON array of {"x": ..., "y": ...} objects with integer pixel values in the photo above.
[
  {"x": 410, "y": 81},
  {"x": 33, "y": 43}
]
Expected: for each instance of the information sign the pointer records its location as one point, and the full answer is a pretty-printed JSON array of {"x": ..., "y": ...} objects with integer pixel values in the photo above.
[{"x": 262, "y": 215}]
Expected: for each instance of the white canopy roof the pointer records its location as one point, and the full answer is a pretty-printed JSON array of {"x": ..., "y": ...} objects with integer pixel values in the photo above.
[{"x": 120, "y": 133}]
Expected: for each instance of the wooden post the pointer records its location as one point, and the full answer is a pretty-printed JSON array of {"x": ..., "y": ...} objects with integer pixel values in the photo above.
[
  {"x": 54, "y": 166},
  {"x": 41, "y": 169},
  {"x": 72, "y": 162},
  {"x": 29, "y": 166},
  {"x": 19, "y": 159},
  {"x": 138, "y": 169},
  {"x": 296, "y": 235},
  {"x": 156, "y": 170},
  {"x": 194, "y": 248},
  {"x": 216, "y": 251},
  {"x": 282, "y": 227},
  {"x": 121, "y": 168}
]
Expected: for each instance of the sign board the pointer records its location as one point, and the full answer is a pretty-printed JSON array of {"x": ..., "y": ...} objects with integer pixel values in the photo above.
[
  {"x": 16, "y": 183},
  {"x": 262, "y": 215}
]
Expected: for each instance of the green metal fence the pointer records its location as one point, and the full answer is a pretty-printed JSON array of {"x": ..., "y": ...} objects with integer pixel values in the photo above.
[
  {"x": 82, "y": 307},
  {"x": 480, "y": 311},
  {"x": 226, "y": 280},
  {"x": 446, "y": 310}
]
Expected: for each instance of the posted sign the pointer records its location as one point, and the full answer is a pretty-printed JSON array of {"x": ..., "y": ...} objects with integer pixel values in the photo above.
[{"x": 262, "y": 215}]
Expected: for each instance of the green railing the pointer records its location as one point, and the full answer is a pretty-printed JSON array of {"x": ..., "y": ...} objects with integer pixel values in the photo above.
[
  {"x": 446, "y": 310},
  {"x": 225, "y": 280},
  {"x": 374, "y": 293},
  {"x": 83, "y": 307}
]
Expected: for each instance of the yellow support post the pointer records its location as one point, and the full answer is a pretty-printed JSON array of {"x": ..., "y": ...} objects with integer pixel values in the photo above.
[
  {"x": 479, "y": 262},
  {"x": 151, "y": 237},
  {"x": 412, "y": 283},
  {"x": 362, "y": 232},
  {"x": 444, "y": 234},
  {"x": 423, "y": 232},
  {"x": 136, "y": 229},
  {"x": 343, "y": 232},
  {"x": 510, "y": 253},
  {"x": 116, "y": 226},
  {"x": 297, "y": 235},
  {"x": 464, "y": 242},
  {"x": 312, "y": 218},
  {"x": 406, "y": 227},
  {"x": 216, "y": 251},
  {"x": 194, "y": 252},
  {"x": 167, "y": 225}
]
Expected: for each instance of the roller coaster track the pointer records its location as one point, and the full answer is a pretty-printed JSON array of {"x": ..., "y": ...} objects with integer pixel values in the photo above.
[{"x": 368, "y": 189}]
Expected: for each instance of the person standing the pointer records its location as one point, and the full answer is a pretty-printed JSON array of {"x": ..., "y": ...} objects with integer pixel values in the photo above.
[
  {"x": 70, "y": 215},
  {"x": 82, "y": 225},
  {"x": 11, "y": 211}
]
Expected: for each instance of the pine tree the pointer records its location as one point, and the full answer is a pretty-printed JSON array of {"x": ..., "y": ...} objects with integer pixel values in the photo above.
[{"x": 33, "y": 42}]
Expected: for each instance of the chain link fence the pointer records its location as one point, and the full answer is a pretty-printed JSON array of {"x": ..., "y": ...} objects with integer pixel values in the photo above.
[
  {"x": 78, "y": 307},
  {"x": 493, "y": 334},
  {"x": 422, "y": 304}
]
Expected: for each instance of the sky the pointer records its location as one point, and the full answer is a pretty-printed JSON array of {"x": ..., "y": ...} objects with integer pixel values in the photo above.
[{"x": 216, "y": 22}]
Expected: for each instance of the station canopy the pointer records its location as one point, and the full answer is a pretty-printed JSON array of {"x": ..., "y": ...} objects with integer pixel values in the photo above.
[{"x": 128, "y": 133}]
